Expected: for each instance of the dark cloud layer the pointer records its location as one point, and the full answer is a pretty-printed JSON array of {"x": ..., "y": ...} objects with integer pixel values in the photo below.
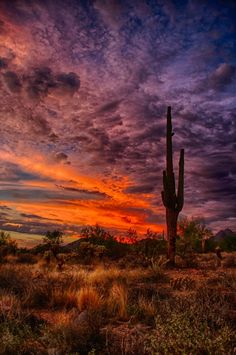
[
  {"x": 12, "y": 81},
  {"x": 87, "y": 83}
]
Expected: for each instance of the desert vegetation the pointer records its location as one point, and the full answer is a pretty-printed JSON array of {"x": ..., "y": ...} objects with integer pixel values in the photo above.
[{"x": 107, "y": 297}]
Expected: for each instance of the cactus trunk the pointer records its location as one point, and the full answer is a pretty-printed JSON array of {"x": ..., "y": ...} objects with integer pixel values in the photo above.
[
  {"x": 171, "y": 223},
  {"x": 172, "y": 201}
]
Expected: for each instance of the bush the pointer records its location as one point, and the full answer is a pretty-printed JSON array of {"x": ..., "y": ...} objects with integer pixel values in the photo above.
[
  {"x": 88, "y": 252},
  {"x": 193, "y": 233},
  {"x": 7, "y": 245},
  {"x": 185, "y": 250},
  {"x": 96, "y": 235},
  {"x": 19, "y": 330},
  {"x": 26, "y": 258},
  {"x": 179, "y": 334},
  {"x": 70, "y": 336},
  {"x": 228, "y": 243},
  {"x": 194, "y": 325},
  {"x": 151, "y": 248}
]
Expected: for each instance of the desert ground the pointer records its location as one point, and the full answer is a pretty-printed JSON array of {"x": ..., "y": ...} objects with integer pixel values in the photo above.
[{"x": 130, "y": 305}]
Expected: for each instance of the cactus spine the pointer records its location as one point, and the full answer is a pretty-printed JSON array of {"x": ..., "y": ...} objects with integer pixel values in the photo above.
[{"x": 172, "y": 201}]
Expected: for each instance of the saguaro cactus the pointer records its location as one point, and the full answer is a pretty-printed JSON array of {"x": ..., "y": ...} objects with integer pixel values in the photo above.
[{"x": 172, "y": 201}]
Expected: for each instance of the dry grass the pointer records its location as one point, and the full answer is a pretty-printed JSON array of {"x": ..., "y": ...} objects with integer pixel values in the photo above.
[
  {"x": 67, "y": 335},
  {"x": 63, "y": 312},
  {"x": 229, "y": 261},
  {"x": 89, "y": 299},
  {"x": 10, "y": 307},
  {"x": 117, "y": 301},
  {"x": 64, "y": 298},
  {"x": 147, "y": 309},
  {"x": 105, "y": 277}
]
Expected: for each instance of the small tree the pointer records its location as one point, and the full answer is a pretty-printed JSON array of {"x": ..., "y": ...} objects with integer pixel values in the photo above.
[
  {"x": 131, "y": 236},
  {"x": 7, "y": 245},
  {"x": 95, "y": 232},
  {"x": 153, "y": 235},
  {"x": 193, "y": 232},
  {"x": 53, "y": 241},
  {"x": 4, "y": 238}
]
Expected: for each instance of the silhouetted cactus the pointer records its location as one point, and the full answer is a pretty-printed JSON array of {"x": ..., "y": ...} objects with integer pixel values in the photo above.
[{"x": 172, "y": 201}]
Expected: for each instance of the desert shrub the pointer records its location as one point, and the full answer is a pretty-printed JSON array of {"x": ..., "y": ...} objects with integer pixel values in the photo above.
[
  {"x": 38, "y": 295},
  {"x": 4, "y": 238},
  {"x": 210, "y": 245},
  {"x": 183, "y": 283},
  {"x": 223, "y": 280},
  {"x": 19, "y": 330},
  {"x": 17, "y": 338},
  {"x": 185, "y": 249},
  {"x": 146, "y": 310},
  {"x": 53, "y": 241},
  {"x": 32, "y": 290},
  {"x": 150, "y": 248},
  {"x": 9, "y": 306},
  {"x": 48, "y": 257},
  {"x": 228, "y": 243},
  {"x": 96, "y": 235},
  {"x": 125, "y": 339},
  {"x": 193, "y": 325},
  {"x": 85, "y": 252},
  {"x": 70, "y": 336},
  {"x": 7, "y": 245},
  {"x": 39, "y": 249},
  {"x": 182, "y": 334},
  {"x": 26, "y": 258},
  {"x": 15, "y": 279},
  {"x": 193, "y": 237},
  {"x": 88, "y": 252},
  {"x": 157, "y": 269}
]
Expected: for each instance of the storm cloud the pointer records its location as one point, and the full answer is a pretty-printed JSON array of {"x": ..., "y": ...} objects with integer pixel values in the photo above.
[{"x": 84, "y": 88}]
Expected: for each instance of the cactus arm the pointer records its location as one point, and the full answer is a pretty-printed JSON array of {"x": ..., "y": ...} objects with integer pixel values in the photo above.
[
  {"x": 163, "y": 198},
  {"x": 169, "y": 157},
  {"x": 169, "y": 154},
  {"x": 180, "y": 195}
]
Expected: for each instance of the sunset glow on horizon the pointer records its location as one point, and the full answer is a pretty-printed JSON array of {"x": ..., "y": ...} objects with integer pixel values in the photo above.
[{"x": 84, "y": 91}]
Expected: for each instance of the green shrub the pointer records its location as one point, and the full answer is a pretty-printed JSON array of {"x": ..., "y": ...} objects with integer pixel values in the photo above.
[
  {"x": 7, "y": 245},
  {"x": 26, "y": 258},
  {"x": 150, "y": 248},
  {"x": 182, "y": 334},
  {"x": 96, "y": 235},
  {"x": 228, "y": 243},
  {"x": 194, "y": 325}
]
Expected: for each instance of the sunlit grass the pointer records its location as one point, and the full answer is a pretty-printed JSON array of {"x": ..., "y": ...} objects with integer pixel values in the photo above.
[{"x": 72, "y": 309}]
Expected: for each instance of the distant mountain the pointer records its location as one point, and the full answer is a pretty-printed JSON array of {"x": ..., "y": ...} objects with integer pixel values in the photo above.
[
  {"x": 224, "y": 233},
  {"x": 73, "y": 245},
  {"x": 225, "y": 239}
]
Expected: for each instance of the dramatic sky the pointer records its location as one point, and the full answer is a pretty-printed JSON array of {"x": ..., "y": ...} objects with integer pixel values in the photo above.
[{"x": 84, "y": 89}]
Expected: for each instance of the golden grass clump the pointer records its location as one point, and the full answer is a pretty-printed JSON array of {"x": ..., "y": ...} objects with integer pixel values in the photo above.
[
  {"x": 117, "y": 301},
  {"x": 147, "y": 307},
  {"x": 102, "y": 277},
  {"x": 67, "y": 335},
  {"x": 9, "y": 306},
  {"x": 62, "y": 297},
  {"x": 89, "y": 299}
]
